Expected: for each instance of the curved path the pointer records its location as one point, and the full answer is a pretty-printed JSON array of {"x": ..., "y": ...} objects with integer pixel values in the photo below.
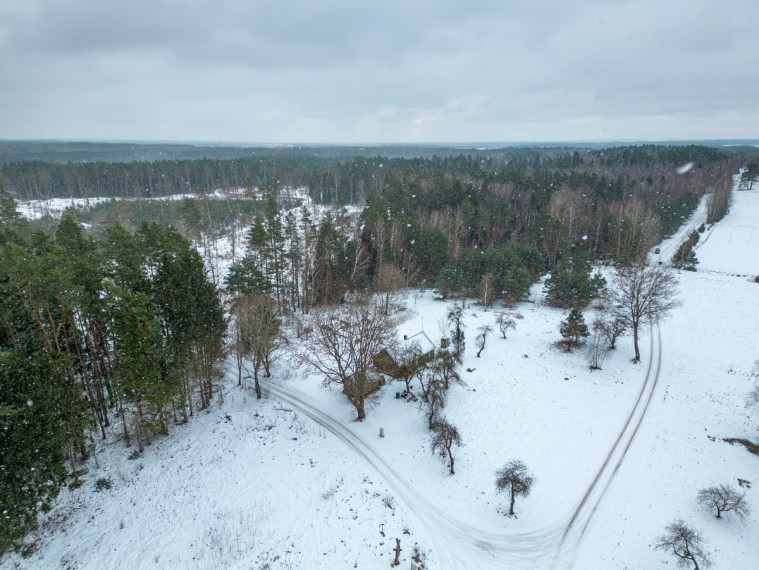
[
  {"x": 578, "y": 523},
  {"x": 456, "y": 544},
  {"x": 459, "y": 545}
]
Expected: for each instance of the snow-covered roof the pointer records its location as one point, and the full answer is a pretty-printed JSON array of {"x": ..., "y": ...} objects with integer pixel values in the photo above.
[{"x": 425, "y": 344}]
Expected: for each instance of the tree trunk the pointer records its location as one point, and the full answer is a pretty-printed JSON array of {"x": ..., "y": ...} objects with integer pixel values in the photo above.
[
  {"x": 511, "y": 506},
  {"x": 258, "y": 384},
  {"x": 450, "y": 457},
  {"x": 635, "y": 343},
  {"x": 127, "y": 440},
  {"x": 359, "y": 405},
  {"x": 239, "y": 367}
]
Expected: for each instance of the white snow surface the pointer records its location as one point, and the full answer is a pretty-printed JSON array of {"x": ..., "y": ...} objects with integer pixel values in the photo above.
[
  {"x": 292, "y": 481},
  {"x": 55, "y": 207}
]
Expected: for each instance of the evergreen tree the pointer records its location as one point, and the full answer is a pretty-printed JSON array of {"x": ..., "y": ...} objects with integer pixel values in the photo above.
[
  {"x": 571, "y": 283},
  {"x": 458, "y": 341},
  {"x": 329, "y": 274},
  {"x": 246, "y": 278},
  {"x": 32, "y": 438},
  {"x": 573, "y": 329},
  {"x": 140, "y": 367}
]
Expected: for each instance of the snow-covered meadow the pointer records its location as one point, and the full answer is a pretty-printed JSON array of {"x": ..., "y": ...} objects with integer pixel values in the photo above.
[{"x": 291, "y": 481}]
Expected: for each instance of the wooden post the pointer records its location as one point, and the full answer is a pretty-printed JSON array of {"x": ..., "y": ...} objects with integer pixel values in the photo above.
[{"x": 382, "y": 432}]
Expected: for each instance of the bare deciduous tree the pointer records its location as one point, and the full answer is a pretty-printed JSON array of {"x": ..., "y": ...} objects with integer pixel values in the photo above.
[
  {"x": 487, "y": 291},
  {"x": 516, "y": 479},
  {"x": 597, "y": 349},
  {"x": 409, "y": 366},
  {"x": 257, "y": 335},
  {"x": 505, "y": 323},
  {"x": 482, "y": 336},
  {"x": 444, "y": 437},
  {"x": 724, "y": 499},
  {"x": 433, "y": 396},
  {"x": 642, "y": 294},
  {"x": 612, "y": 327},
  {"x": 684, "y": 543},
  {"x": 342, "y": 345},
  {"x": 445, "y": 367},
  {"x": 387, "y": 282}
]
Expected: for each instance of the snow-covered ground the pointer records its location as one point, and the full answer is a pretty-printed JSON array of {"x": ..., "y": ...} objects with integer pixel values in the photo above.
[
  {"x": 54, "y": 207},
  {"x": 292, "y": 481}
]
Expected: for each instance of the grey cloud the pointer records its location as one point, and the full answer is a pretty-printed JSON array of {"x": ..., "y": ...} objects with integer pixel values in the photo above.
[{"x": 342, "y": 70}]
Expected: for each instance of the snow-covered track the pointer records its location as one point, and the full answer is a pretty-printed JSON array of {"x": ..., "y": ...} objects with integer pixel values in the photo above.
[
  {"x": 591, "y": 500},
  {"x": 460, "y": 545},
  {"x": 456, "y": 543}
]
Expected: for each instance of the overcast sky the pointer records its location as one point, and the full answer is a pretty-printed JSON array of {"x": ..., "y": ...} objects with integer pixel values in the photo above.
[{"x": 351, "y": 71}]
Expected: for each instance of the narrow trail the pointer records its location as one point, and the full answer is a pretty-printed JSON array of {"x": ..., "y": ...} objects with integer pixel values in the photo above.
[{"x": 457, "y": 544}]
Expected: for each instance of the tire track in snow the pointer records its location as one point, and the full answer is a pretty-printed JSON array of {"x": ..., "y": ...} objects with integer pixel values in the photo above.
[
  {"x": 566, "y": 552},
  {"x": 455, "y": 544},
  {"x": 459, "y": 545}
]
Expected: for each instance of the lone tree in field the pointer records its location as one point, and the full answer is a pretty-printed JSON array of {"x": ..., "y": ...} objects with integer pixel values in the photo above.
[
  {"x": 516, "y": 480},
  {"x": 724, "y": 499},
  {"x": 444, "y": 437},
  {"x": 342, "y": 345},
  {"x": 642, "y": 294},
  {"x": 482, "y": 336},
  {"x": 684, "y": 543},
  {"x": 505, "y": 323}
]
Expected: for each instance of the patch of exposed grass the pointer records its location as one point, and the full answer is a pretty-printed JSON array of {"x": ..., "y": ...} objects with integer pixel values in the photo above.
[{"x": 752, "y": 447}]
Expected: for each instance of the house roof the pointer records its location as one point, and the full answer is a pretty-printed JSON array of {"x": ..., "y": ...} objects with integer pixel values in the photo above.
[{"x": 420, "y": 338}]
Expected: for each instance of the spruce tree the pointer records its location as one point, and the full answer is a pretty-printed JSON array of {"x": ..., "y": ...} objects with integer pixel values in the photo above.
[{"x": 573, "y": 329}]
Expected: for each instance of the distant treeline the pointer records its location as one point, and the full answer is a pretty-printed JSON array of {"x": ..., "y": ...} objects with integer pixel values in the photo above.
[{"x": 346, "y": 179}]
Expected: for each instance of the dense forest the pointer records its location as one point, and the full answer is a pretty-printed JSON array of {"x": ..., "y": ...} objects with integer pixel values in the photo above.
[
  {"x": 124, "y": 329},
  {"x": 121, "y": 323}
]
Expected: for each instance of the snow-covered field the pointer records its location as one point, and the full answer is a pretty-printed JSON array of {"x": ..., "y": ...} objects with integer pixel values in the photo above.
[
  {"x": 292, "y": 481},
  {"x": 54, "y": 207}
]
